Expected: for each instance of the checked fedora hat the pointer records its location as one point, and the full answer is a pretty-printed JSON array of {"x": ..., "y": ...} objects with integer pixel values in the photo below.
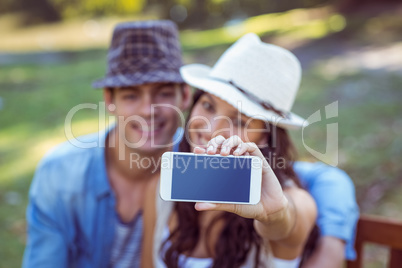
[{"x": 143, "y": 52}]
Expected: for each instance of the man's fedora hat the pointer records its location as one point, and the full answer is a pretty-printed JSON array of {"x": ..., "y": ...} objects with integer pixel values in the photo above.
[
  {"x": 143, "y": 52},
  {"x": 259, "y": 79}
]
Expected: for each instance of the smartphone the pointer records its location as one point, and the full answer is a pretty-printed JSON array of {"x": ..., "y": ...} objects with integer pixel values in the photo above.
[{"x": 189, "y": 177}]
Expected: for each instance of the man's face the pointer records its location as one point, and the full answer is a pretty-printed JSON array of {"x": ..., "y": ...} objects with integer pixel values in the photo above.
[{"x": 148, "y": 115}]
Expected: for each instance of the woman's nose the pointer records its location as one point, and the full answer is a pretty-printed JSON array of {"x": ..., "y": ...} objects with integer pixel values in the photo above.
[{"x": 221, "y": 126}]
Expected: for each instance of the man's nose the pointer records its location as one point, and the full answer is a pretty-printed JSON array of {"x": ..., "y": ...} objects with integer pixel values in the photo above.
[{"x": 145, "y": 108}]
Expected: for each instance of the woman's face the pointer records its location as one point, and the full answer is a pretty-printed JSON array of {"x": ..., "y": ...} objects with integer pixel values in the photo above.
[{"x": 212, "y": 116}]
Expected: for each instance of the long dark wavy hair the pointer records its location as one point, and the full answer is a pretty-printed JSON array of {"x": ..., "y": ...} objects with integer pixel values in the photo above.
[{"x": 238, "y": 235}]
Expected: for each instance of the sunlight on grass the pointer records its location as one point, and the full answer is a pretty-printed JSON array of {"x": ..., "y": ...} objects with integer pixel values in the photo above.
[
  {"x": 33, "y": 149},
  {"x": 298, "y": 23},
  {"x": 11, "y": 136},
  {"x": 90, "y": 33}
]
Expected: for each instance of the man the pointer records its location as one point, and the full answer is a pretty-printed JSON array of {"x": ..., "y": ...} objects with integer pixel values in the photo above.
[
  {"x": 338, "y": 213},
  {"x": 85, "y": 203}
]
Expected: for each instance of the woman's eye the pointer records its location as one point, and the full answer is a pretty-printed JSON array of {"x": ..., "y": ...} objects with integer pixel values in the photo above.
[
  {"x": 207, "y": 106},
  {"x": 239, "y": 123}
]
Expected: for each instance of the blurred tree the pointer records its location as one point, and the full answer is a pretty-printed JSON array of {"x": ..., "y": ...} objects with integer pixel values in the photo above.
[
  {"x": 351, "y": 6},
  {"x": 33, "y": 11},
  {"x": 215, "y": 13},
  {"x": 40, "y": 11},
  {"x": 187, "y": 13},
  {"x": 6, "y": 6},
  {"x": 74, "y": 8}
]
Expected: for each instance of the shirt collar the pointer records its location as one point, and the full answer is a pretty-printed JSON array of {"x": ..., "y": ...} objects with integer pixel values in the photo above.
[{"x": 101, "y": 183}]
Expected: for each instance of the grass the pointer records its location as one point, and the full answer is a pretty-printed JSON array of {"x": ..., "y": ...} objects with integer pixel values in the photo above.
[
  {"x": 295, "y": 24},
  {"x": 37, "y": 97}
]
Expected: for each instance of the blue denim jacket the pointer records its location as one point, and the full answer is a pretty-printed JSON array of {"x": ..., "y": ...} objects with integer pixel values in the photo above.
[
  {"x": 71, "y": 212},
  {"x": 327, "y": 184}
]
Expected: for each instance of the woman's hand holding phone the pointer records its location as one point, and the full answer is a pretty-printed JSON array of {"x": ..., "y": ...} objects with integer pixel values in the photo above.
[{"x": 273, "y": 201}]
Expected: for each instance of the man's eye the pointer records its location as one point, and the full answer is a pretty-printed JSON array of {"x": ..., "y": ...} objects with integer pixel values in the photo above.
[
  {"x": 166, "y": 94},
  {"x": 130, "y": 97}
]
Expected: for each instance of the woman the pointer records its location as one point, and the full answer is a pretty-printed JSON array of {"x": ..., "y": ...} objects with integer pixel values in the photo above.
[{"x": 242, "y": 108}]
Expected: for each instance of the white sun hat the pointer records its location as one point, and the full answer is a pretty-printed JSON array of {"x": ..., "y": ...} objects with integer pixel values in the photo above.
[{"x": 259, "y": 79}]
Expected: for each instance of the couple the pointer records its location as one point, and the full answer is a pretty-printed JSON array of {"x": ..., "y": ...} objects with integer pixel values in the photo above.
[{"x": 90, "y": 207}]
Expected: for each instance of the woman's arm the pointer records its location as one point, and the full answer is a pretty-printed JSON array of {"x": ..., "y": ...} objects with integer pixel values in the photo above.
[
  {"x": 149, "y": 224},
  {"x": 286, "y": 219},
  {"x": 329, "y": 253},
  {"x": 301, "y": 214}
]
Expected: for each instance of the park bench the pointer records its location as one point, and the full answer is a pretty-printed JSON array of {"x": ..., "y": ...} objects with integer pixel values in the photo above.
[{"x": 387, "y": 232}]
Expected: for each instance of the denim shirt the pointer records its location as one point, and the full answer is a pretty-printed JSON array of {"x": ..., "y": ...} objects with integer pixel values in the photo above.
[
  {"x": 71, "y": 213},
  {"x": 334, "y": 194}
]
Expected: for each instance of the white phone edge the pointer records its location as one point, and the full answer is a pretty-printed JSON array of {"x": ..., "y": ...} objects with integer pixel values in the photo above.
[{"x": 165, "y": 185}]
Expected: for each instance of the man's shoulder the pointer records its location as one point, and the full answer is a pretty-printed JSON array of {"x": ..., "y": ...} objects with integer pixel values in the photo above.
[
  {"x": 79, "y": 146},
  {"x": 70, "y": 165},
  {"x": 77, "y": 151},
  {"x": 310, "y": 172},
  {"x": 315, "y": 167}
]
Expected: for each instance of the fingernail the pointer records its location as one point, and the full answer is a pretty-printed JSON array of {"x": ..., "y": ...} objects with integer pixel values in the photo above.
[
  {"x": 203, "y": 206},
  {"x": 210, "y": 148},
  {"x": 199, "y": 148}
]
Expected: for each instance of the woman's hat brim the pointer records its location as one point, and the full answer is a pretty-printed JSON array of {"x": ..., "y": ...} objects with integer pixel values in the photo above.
[{"x": 197, "y": 75}]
